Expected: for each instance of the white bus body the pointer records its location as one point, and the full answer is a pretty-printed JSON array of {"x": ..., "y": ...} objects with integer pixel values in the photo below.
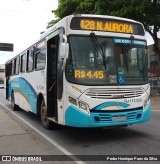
[{"x": 65, "y": 77}]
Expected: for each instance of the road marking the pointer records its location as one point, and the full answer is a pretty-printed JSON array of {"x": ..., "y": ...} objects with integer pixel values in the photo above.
[{"x": 61, "y": 148}]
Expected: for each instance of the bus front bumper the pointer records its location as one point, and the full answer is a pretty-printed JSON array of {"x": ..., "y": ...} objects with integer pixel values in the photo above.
[{"x": 76, "y": 118}]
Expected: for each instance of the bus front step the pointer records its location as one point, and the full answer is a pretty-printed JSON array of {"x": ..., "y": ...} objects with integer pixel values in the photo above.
[{"x": 53, "y": 119}]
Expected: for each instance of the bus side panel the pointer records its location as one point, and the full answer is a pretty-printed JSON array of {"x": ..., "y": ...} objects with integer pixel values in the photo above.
[{"x": 25, "y": 95}]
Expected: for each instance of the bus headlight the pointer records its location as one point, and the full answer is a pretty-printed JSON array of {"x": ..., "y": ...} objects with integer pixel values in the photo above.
[
  {"x": 81, "y": 105},
  {"x": 145, "y": 103},
  {"x": 147, "y": 99},
  {"x": 72, "y": 100}
]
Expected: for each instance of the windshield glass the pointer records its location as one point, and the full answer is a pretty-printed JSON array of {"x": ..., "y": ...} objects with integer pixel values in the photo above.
[{"x": 95, "y": 60}]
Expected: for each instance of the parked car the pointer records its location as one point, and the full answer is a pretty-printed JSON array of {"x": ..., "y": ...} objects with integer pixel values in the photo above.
[{"x": 1, "y": 85}]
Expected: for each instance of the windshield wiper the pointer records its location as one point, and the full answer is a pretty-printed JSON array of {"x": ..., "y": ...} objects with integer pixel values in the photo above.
[{"x": 98, "y": 48}]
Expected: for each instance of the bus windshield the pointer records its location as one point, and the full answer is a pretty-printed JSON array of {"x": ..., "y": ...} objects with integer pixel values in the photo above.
[{"x": 97, "y": 60}]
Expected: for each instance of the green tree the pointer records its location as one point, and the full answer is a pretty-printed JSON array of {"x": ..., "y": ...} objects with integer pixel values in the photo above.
[
  {"x": 145, "y": 11},
  {"x": 65, "y": 7}
]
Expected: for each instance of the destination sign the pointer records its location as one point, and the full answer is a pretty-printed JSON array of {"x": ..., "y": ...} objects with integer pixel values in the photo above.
[{"x": 107, "y": 25}]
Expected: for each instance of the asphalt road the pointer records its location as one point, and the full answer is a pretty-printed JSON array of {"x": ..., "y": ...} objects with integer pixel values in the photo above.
[{"x": 142, "y": 139}]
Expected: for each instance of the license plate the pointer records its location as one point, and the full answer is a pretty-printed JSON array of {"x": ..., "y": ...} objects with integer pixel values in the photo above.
[{"x": 118, "y": 118}]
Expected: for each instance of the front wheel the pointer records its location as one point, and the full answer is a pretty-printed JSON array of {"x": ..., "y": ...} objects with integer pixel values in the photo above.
[{"x": 45, "y": 122}]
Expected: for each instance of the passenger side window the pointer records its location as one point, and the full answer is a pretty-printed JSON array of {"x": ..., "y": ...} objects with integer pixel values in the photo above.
[
  {"x": 23, "y": 62},
  {"x": 12, "y": 67},
  {"x": 17, "y": 65},
  {"x": 8, "y": 70},
  {"x": 40, "y": 62},
  {"x": 30, "y": 60}
]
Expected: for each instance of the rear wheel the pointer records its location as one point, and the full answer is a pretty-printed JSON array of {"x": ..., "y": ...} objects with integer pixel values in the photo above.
[
  {"x": 45, "y": 122},
  {"x": 14, "y": 106}
]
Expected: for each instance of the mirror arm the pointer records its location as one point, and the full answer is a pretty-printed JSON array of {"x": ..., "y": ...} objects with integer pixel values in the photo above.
[
  {"x": 64, "y": 51},
  {"x": 64, "y": 64},
  {"x": 65, "y": 38}
]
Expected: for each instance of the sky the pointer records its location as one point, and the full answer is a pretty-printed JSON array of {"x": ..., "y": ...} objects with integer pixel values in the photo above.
[{"x": 21, "y": 22}]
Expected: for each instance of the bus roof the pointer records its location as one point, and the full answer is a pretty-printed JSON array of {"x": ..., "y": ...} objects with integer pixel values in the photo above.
[
  {"x": 59, "y": 24},
  {"x": 106, "y": 16}
]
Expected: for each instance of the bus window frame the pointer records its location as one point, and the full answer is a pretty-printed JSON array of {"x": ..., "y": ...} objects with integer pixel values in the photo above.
[
  {"x": 12, "y": 73},
  {"x": 8, "y": 69},
  {"x": 21, "y": 66},
  {"x": 17, "y": 66},
  {"x": 30, "y": 51},
  {"x": 39, "y": 50}
]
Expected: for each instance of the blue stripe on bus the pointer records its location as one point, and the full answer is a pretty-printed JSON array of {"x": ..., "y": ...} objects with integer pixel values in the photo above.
[
  {"x": 76, "y": 118},
  {"x": 23, "y": 87},
  {"x": 111, "y": 103}
]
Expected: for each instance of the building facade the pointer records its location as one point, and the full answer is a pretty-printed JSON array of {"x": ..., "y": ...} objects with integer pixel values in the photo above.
[{"x": 154, "y": 69}]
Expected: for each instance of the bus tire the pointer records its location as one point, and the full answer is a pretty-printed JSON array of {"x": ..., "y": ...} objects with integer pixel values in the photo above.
[
  {"x": 43, "y": 110},
  {"x": 14, "y": 106}
]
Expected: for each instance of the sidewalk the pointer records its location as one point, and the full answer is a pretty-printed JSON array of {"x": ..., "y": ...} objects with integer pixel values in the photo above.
[{"x": 15, "y": 140}]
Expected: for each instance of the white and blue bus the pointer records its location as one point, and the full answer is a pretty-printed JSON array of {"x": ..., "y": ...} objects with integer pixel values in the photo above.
[{"x": 86, "y": 71}]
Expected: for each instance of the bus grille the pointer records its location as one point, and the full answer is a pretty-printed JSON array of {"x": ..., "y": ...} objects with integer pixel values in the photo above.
[
  {"x": 107, "y": 117},
  {"x": 114, "y": 93}
]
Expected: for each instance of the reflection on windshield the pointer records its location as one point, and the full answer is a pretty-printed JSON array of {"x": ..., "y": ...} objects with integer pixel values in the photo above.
[
  {"x": 98, "y": 47},
  {"x": 133, "y": 63},
  {"x": 116, "y": 64}
]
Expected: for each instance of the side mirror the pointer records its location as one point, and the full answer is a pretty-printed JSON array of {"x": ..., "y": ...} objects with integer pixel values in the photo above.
[{"x": 64, "y": 50}]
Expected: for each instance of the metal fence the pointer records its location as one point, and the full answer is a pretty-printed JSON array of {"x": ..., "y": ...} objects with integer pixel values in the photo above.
[{"x": 155, "y": 84}]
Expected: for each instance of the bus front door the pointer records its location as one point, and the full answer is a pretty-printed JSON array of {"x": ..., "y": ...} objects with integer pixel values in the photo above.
[{"x": 52, "y": 55}]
